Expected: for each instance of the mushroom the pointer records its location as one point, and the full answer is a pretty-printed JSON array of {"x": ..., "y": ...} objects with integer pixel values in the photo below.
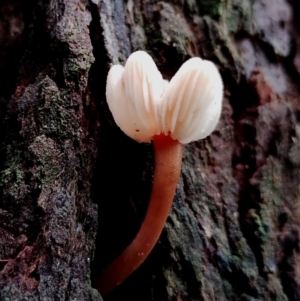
[{"x": 147, "y": 108}]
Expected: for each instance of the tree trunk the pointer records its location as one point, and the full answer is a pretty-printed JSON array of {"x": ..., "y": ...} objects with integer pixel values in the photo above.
[{"x": 74, "y": 188}]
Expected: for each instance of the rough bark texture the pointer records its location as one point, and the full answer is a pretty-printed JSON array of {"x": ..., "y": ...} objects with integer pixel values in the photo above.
[{"x": 69, "y": 175}]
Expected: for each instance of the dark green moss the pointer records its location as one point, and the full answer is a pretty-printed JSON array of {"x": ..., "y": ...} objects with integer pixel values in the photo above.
[{"x": 210, "y": 7}]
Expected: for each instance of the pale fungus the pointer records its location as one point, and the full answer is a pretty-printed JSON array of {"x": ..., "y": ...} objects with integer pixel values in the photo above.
[{"x": 147, "y": 108}]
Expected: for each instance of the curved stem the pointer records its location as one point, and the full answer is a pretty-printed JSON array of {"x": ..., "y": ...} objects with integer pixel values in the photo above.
[{"x": 168, "y": 156}]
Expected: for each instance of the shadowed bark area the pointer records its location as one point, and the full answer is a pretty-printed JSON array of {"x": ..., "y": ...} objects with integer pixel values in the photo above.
[{"x": 74, "y": 188}]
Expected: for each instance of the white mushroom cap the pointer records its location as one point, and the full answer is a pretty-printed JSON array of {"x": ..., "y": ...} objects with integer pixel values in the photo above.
[
  {"x": 143, "y": 104},
  {"x": 133, "y": 94},
  {"x": 192, "y": 102}
]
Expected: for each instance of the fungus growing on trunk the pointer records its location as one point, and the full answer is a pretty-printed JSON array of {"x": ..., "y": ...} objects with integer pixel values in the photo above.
[{"x": 147, "y": 108}]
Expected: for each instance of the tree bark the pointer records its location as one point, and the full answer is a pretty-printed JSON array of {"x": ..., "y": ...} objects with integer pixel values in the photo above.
[{"x": 75, "y": 189}]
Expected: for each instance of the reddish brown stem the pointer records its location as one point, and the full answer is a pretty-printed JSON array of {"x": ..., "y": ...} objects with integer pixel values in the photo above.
[{"x": 168, "y": 156}]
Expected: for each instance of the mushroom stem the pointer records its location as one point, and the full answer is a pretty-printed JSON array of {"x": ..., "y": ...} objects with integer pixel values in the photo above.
[{"x": 168, "y": 157}]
